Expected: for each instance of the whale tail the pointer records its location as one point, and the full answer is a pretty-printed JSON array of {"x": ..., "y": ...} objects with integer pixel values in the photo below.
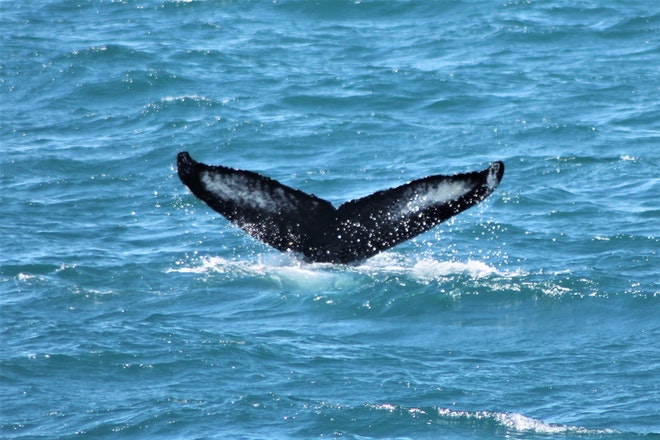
[{"x": 291, "y": 220}]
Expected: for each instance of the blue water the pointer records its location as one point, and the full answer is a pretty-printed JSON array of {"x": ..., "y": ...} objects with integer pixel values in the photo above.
[{"x": 129, "y": 308}]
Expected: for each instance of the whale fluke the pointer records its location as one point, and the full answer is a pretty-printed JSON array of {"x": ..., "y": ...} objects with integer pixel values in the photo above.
[{"x": 291, "y": 220}]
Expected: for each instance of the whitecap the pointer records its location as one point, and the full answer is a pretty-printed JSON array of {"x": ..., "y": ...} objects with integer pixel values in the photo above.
[{"x": 520, "y": 423}]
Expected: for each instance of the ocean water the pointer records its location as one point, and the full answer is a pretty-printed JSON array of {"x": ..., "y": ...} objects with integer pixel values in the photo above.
[{"x": 129, "y": 308}]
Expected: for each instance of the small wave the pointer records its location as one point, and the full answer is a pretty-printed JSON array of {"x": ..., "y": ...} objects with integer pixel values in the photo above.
[
  {"x": 518, "y": 422},
  {"x": 512, "y": 422},
  {"x": 191, "y": 101},
  {"x": 282, "y": 270}
]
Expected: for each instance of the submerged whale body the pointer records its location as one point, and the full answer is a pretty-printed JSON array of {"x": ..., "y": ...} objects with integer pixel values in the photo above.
[{"x": 291, "y": 220}]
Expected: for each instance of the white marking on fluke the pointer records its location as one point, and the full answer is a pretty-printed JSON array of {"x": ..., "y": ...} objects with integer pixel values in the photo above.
[{"x": 244, "y": 191}]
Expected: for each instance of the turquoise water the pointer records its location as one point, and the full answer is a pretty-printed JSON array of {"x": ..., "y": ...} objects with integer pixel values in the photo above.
[{"x": 130, "y": 308}]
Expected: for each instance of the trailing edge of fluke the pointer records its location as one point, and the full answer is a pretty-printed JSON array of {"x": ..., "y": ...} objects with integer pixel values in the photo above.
[{"x": 291, "y": 220}]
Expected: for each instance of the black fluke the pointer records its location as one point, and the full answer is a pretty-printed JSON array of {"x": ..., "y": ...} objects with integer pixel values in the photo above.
[{"x": 291, "y": 220}]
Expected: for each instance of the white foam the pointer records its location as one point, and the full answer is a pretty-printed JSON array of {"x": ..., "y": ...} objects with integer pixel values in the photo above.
[
  {"x": 427, "y": 269},
  {"x": 521, "y": 423},
  {"x": 514, "y": 422},
  {"x": 286, "y": 271},
  {"x": 25, "y": 277}
]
